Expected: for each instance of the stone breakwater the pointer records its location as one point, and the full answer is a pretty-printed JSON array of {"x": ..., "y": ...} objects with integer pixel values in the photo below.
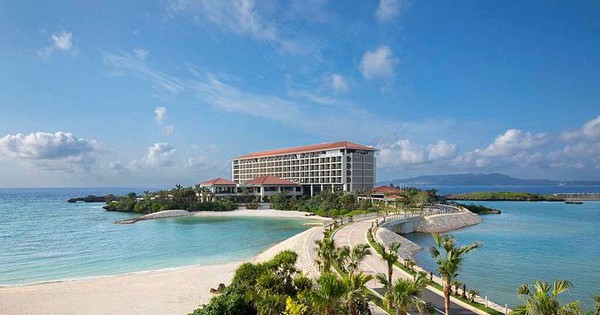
[
  {"x": 407, "y": 248},
  {"x": 442, "y": 223}
]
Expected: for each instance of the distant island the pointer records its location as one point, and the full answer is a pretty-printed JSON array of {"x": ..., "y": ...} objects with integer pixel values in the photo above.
[
  {"x": 492, "y": 179},
  {"x": 503, "y": 196}
]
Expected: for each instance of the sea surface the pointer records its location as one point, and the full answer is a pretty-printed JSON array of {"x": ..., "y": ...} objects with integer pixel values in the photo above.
[
  {"x": 44, "y": 238},
  {"x": 529, "y": 241},
  {"x": 541, "y": 189}
]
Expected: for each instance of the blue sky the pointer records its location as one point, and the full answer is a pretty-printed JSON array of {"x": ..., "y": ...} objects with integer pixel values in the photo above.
[{"x": 166, "y": 92}]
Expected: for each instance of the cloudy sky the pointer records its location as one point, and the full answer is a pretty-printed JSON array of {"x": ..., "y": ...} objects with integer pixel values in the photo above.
[{"x": 165, "y": 92}]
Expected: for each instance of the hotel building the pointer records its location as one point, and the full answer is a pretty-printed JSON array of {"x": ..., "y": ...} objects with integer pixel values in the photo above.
[{"x": 339, "y": 165}]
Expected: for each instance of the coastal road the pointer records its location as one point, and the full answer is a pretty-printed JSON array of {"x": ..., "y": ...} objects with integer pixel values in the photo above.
[
  {"x": 355, "y": 234},
  {"x": 315, "y": 235}
]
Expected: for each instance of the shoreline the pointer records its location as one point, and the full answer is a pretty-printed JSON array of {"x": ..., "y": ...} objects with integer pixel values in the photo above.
[
  {"x": 158, "y": 291},
  {"x": 270, "y": 213}
]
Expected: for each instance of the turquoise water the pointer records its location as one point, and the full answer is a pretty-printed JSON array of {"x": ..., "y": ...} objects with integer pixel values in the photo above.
[
  {"x": 529, "y": 241},
  {"x": 44, "y": 238}
]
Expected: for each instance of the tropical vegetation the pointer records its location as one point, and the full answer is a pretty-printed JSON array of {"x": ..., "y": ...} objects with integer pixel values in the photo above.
[
  {"x": 449, "y": 258},
  {"x": 543, "y": 299},
  {"x": 185, "y": 198},
  {"x": 277, "y": 287}
]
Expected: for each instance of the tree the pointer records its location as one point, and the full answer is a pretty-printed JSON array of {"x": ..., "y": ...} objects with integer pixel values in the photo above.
[
  {"x": 449, "y": 262},
  {"x": 421, "y": 199},
  {"x": 407, "y": 293},
  {"x": 355, "y": 284},
  {"x": 327, "y": 298},
  {"x": 349, "y": 258},
  {"x": 326, "y": 252},
  {"x": 390, "y": 256},
  {"x": 387, "y": 285},
  {"x": 542, "y": 299}
]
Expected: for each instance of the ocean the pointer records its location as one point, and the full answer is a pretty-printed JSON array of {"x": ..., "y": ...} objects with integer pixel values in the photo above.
[
  {"x": 529, "y": 241},
  {"x": 44, "y": 238}
]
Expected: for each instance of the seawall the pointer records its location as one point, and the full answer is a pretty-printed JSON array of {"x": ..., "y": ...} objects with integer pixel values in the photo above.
[
  {"x": 441, "y": 223},
  {"x": 407, "y": 248}
]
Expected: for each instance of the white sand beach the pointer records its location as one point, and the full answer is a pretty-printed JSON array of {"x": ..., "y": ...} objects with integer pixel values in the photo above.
[
  {"x": 261, "y": 213},
  {"x": 172, "y": 291}
]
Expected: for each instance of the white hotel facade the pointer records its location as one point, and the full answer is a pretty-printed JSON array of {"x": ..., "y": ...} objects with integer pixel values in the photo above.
[{"x": 339, "y": 165}]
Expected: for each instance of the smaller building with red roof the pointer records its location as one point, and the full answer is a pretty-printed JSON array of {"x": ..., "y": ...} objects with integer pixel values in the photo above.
[{"x": 258, "y": 188}]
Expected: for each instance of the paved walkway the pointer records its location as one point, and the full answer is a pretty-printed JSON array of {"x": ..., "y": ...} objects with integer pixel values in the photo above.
[{"x": 356, "y": 233}]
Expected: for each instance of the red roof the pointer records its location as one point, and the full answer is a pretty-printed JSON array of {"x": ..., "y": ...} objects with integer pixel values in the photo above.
[
  {"x": 309, "y": 148},
  {"x": 270, "y": 180},
  {"x": 218, "y": 181},
  {"x": 387, "y": 190}
]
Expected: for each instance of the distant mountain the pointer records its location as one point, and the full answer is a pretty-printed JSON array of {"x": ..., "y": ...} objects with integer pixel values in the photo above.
[{"x": 493, "y": 179}]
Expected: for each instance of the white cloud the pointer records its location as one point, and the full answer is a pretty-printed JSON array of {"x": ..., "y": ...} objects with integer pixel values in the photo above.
[
  {"x": 140, "y": 53},
  {"x": 169, "y": 129},
  {"x": 299, "y": 109},
  {"x": 512, "y": 148},
  {"x": 339, "y": 83},
  {"x": 159, "y": 114},
  {"x": 589, "y": 131},
  {"x": 575, "y": 156},
  {"x": 52, "y": 151},
  {"x": 236, "y": 16},
  {"x": 403, "y": 153},
  {"x": 159, "y": 155},
  {"x": 197, "y": 162},
  {"x": 126, "y": 61},
  {"x": 378, "y": 63},
  {"x": 45, "y": 145},
  {"x": 442, "y": 150},
  {"x": 582, "y": 148},
  {"x": 513, "y": 141},
  {"x": 387, "y": 10},
  {"x": 62, "y": 41},
  {"x": 118, "y": 168}
]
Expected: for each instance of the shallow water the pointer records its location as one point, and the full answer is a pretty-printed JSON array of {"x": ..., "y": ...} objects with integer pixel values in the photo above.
[
  {"x": 529, "y": 241},
  {"x": 44, "y": 238}
]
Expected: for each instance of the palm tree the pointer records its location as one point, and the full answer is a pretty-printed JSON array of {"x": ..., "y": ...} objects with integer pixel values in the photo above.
[
  {"x": 355, "y": 284},
  {"x": 327, "y": 298},
  {"x": 326, "y": 251},
  {"x": 449, "y": 263},
  {"x": 390, "y": 256},
  {"x": 387, "y": 285},
  {"x": 349, "y": 258},
  {"x": 267, "y": 294},
  {"x": 407, "y": 293},
  {"x": 542, "y": 299}
]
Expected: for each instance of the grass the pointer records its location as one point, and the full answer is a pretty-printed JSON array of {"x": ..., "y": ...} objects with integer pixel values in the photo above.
[{"x": 477, "y": 305}]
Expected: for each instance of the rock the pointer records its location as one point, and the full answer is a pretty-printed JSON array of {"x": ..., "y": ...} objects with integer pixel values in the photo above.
[
  {"x": 407, "y": 248},
  {"x": 442, "y": 223}
]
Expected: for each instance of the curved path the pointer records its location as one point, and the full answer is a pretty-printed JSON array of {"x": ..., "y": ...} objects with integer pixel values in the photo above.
[{"x": 356, "y": 233}]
